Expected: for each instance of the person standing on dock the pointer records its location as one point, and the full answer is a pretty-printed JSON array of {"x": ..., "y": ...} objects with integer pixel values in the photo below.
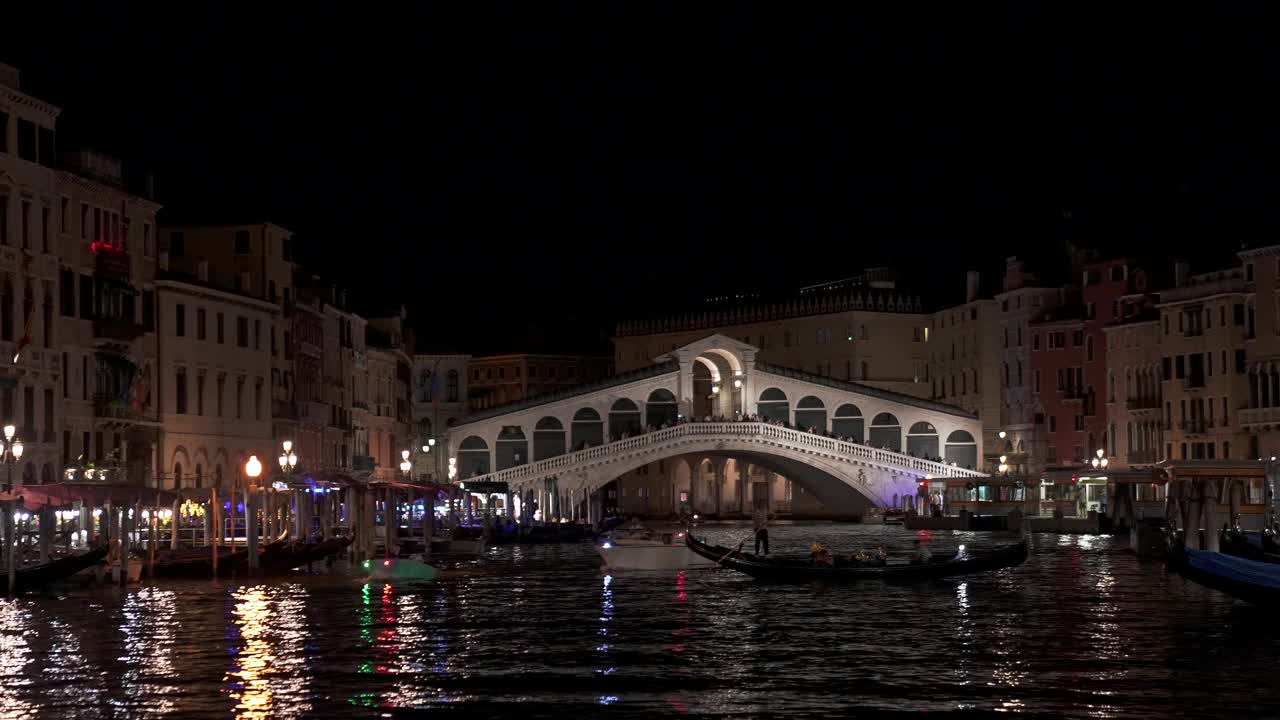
[{"x": 760, "y": 520}]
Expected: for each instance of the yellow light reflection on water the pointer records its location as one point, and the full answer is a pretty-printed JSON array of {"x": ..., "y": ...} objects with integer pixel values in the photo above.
[
  {"x": 269, "y": 677},
  {"x": 15, "y": 655},
  {"x": 252, "y": 687}
]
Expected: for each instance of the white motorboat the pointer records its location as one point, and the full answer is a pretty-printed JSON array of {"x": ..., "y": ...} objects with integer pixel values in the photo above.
[
  {"x": 399, "y": 569},
  {"x": 640, "y": 548}
]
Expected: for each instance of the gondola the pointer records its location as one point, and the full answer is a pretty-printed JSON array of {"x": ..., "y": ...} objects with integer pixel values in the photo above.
[
  {"x": 199, "y": 564},
  {"x": 1248, "y": 546},
  {"x": 1249, "y": 580},
  {"x": 34, "y": 577},
  {"x": 802, "y": 570}
]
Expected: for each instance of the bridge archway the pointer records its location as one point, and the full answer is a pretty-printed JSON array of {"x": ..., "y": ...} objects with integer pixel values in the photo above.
[
  {"x": 624, "y": 418},
  {"x": 922, "y": 440},
  {"x": 473, "y": 457},
  {"x": 886, "y": 432},
  {"x": 848, "y": 422},
  {"x": 773, "y": 405},
  {"x": 512, "y": 448},
  {"x": 811, "y": 413},
  {"x": 962, "y": 449},
  {"x": 586, "y": 429},
  {"x": 548, "y": 438},
  {"x": 660, "y": 408}
]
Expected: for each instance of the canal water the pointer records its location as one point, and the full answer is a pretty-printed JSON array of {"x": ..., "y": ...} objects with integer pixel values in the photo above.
[{"x": 1083, "y": 629}]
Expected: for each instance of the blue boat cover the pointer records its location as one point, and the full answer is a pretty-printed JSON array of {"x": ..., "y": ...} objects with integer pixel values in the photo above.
[{"x": 1253, "y": 572}]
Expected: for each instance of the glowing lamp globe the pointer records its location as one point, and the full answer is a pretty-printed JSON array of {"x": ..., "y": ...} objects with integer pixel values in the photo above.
[{"x": 253, "y": 467}]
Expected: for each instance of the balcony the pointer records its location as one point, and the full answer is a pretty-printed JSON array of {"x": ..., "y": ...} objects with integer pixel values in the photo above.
[
  {"x": 1142, "y": 403},
  {"x": 362, "y": 463},
  {"x": 284, "y": 410},
  {"x": 113, "y": 408},
  {"x": 1260, "y": 416},
  {"x": 1141, "y": 457},
  {"x": 1194, "y": 426},
  {"x": 120, "y": 329}
]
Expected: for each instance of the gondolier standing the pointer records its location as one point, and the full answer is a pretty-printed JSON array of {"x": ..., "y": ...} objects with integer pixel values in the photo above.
[{"x": 760, "y": 519}]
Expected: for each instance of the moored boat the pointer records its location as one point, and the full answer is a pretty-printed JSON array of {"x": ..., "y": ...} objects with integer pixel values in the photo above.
[
  {"x": 1251, "y": 546},
  {"x": 638, "y": 548},
  {"x": 786, "y": 570},
  {"x": 1249, "y": 580},
  {"x": 402, "y": 569},
  {"x": 34, "y": 577}
]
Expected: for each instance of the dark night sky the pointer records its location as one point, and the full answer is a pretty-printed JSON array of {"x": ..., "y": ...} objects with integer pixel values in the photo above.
[{"x": 608, "y": 159}]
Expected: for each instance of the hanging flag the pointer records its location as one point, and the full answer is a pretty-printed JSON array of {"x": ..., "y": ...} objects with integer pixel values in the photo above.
[{"x": 142, "y": 389}]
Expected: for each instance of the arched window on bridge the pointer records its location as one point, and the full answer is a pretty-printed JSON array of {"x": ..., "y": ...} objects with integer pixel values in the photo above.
[
  {"x": 886, "y": 432},
  {"x": 624, "y": 418},
  {"x": 811, "y": 413},
  {"x": 961, "y": 450},
  {"x": 922, "y": 440},
  {"x": 587, "y": 430},
  {"x": 848, "y": 422},
  {"x": 512, "y": 448},
  {"x": 548, "y": 438},
  {"x": 773, "y": 405},
  {"x": 660, "y": 408},
  {"x": 473, "y": 457}
]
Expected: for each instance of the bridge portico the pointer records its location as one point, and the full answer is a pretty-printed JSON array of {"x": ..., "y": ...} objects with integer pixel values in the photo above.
[{"x": 848, "y": 444}]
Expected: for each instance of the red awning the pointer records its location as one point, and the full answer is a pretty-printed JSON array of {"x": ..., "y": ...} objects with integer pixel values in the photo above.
[{"x": 60, "y": 494}]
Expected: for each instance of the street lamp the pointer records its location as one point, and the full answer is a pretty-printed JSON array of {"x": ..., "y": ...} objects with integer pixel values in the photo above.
[
  {"x": 1004, "y": 465},
  {"x": 288, "y": 460},
  {"x": 11, "y": 453},
  {"x": 1099, "y": 461}
]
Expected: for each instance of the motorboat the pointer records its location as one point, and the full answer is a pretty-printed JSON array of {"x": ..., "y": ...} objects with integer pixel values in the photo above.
[
  {"x": 795, "y": 570},
  {"x": 641, "y": 548},
  {"x": 402, "y": 569},
  {"x": 894, "y": 517}
]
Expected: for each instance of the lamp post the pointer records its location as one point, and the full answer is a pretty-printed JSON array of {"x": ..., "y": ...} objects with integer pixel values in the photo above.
[
  {"x": 252, "y": 470},
  {"x": 288, "y": 461},
  {"x": 1099, "y": 461},
  {"x": 11, "y": 454}
]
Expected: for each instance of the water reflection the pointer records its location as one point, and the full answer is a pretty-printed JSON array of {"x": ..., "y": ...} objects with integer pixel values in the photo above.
[
  {"x": 248, "y": 682},
  {"x": 148, "y": 628},
  {"x": 15, "y": 654}
]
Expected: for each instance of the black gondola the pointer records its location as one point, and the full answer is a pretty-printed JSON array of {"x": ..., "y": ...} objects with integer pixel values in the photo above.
[
  {"x": 199, "y": 564},
  {"x": 1249, "y": 580},
  {"x": 1240, "y": 544},
  {"x": 34, "y": 577},
  {"x": 779, "y": 570}
]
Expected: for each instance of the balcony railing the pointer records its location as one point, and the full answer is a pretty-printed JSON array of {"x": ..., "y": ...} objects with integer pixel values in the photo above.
[
  {"x": 1195, "y": 425},
  {"x": 1143, "y": 403},
  {"x": 1260, "y": 416},
  {"x": 107, "y": 406},
  {"x": 284, "y": 409},
  {"x": 1141, "y": 457},
  {"x": 121, "y": 329}
]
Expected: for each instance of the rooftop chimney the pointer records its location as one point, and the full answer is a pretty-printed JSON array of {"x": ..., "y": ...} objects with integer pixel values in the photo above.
[
  {"x": 9, "y": 76},
  {"x": 971, "y": 286}
]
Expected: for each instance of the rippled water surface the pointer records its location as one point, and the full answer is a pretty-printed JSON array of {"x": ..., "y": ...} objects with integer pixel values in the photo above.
[{"x": 1084, "y": 629}]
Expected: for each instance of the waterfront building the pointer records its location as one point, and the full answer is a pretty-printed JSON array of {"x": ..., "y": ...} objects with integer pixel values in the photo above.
[
  {"x": 345, "y": 372},
  {"x": 1205, "y": 326},
  {"x": 498, "y": 379},
  {"x": 214, "y": 366},
  {"x": 439, "y": 402},
  {"x": 1023, "y": 297},
  {"x": 1135, "y": 422},
  {"x": 388, "y": 376},
  {"x": 863, "y": 330},
  {"x": 965, "y": 359},
  {"x": 1261, "y": 414}
]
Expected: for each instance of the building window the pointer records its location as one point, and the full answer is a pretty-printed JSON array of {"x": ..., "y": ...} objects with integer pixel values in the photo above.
[
  {"x": 180, "y": 392},
  {"x": 221, "y": 387},
  {"x": 453, "y": 386},
  {"x": 257, "y": 334},
  {"x": 180, "y": 320},
  {"x": 200, "y": 324},
  {"x": 1088, "y": 348},
  {"x": 218, "y": 330},
  {"x": 242, "y": 331},
  {"x": 240, "y": 398},
  {"x": 200, "y": 393},
  {"x": 257, "y": 399}
]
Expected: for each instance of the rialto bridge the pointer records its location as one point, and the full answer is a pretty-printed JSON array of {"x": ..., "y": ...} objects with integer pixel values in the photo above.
[{"x": 850, "y": 445}]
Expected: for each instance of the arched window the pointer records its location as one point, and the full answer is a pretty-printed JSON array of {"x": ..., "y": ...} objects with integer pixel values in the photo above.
[
  {"x": 847, "y": 422},
  {"x": 177, "y": 476},
  {"x": 811, "y": 413},
  {"x": 922, "y": 440},
  {"x": 199, "y": 475},
  {"x": 961, "y": 449},
  {"x": 886, "y": 432},
  {"x": 772, "y": 405}
]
